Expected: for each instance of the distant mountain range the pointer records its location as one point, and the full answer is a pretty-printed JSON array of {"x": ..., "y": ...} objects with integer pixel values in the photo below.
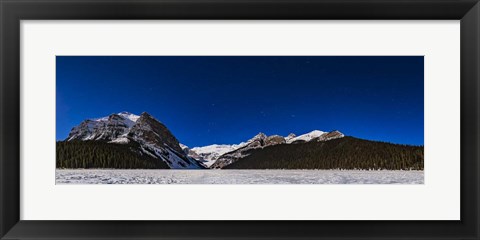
[{"x": 125, "y": 140}]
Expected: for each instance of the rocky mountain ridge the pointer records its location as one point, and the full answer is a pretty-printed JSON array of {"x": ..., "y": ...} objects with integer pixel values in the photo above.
[
  {"x": 126, "y": 140},
  {"x": 154, "y": 138},
  {"x": 261, "y": 141}
]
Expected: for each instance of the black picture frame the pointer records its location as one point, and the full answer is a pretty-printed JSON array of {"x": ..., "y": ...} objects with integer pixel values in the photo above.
[{"x": 13, "y": 11}]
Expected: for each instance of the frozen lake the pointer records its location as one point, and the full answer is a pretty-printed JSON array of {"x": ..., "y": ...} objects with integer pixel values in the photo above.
[{"x": 109, "y": 176}]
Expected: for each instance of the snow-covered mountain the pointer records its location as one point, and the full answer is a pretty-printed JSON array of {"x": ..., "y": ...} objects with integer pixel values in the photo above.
[
  {"x": 209, "y": 154},
  {"x": 108, "y": 128},
  {"x": 289, "y": 137},
  {"x": 315, "y": 135},
  {"x": 307, "y": 136},
  {"x": 155, "y": 140},
  {"x": 219, "y": 156},
  {"x": 153, "y": 137}
]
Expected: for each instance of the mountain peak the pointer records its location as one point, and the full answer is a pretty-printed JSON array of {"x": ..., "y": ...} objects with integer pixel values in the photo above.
[
  {"x": 331, "y": 135},
  {"x": 260, "y": 135},
  {"x": 130, "y": 116},
  {"x": 316, "y": 132},
  {"x": 149, "y": 130},
  {"x": 146, "y": 114},
  {"x": 290, "y": 136},
  {"x": 307, "y": 136}
]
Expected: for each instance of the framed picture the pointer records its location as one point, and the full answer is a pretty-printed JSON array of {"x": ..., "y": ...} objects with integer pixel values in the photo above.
[{"x": 239, "y": 120}]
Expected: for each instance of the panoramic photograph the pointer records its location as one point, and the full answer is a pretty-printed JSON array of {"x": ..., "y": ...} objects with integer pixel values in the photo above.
[{"x": 239, "y": 120}]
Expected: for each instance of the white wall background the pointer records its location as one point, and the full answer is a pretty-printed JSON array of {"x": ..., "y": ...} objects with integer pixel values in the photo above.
[{"x": 438, "y": 198}]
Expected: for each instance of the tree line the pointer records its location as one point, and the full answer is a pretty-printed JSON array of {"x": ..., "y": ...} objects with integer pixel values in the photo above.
[
  {"x": 342, "y": 153},
  {"x": 98, "y": 154}
]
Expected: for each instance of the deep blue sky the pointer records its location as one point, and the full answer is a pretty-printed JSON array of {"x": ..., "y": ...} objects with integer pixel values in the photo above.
[{"x": 206, "y": 100}]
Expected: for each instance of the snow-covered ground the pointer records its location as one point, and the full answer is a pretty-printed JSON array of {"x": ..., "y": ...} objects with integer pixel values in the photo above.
[{"x": 102, "y": 176}]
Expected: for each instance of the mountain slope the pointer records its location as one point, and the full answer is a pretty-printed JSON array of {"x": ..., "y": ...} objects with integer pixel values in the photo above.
[
  {"x": 209, "y": 154},
  {"x": 261, "y": 141},
  {"x": 340, "y": 153}
]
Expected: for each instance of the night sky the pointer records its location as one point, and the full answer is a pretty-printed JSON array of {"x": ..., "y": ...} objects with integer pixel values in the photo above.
[{"x": 226, "y": 100}]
